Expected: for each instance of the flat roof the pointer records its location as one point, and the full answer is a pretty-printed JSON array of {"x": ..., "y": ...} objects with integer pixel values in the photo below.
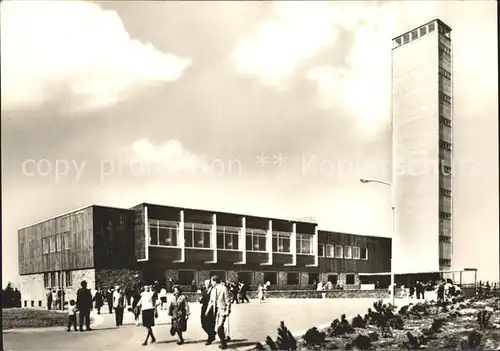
[{"x": 441, "y": 23}]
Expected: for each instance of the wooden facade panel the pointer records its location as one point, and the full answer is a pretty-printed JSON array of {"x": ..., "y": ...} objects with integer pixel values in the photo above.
[
  {"x": 304, "y": 260},
  {"x": 164, "y": 254},
  {"x": 230, "y": 220},
  {"x": 281, "y": 259},
  {"x": 139, "y": 234},
  {"x": 230, "y": 257},
  {"x": 198, "y": 255},
  {"x": 257, "y": 223},
  {"x": 164, "y": 213},
  {"x": 256, "y": 257},
  {"x": 280, "y": 225},
  {"x": 114, "y": 238},
  {"x": 305, "y": 228},
  {"x": 198, "y": 216},
  {"x": 78, "y": 241}
]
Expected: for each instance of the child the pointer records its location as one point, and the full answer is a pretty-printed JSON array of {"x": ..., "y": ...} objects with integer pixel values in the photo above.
[{"x": 72, "y": 315}]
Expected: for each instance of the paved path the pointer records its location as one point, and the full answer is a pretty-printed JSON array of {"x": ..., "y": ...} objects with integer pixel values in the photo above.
[{"x": 249, "y": 323}]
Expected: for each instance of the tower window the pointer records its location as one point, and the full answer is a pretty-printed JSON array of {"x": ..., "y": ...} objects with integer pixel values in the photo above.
[
  {"x": 406, "y": 38},
  {"x": 431, "y": 27},
  {"x": 414, "y": 35},
  {"x": 423, "y": 31}
]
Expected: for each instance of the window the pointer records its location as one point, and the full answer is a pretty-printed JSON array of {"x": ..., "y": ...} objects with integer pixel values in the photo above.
[
  {"x": 270, "y": 277},
  {"x": 431, "y": 27},
  {"x": 329, "y": 250},
  {"x": 45, "y": 245},
  {"x": 46, "y": 281},
  {"x": 197, "y": 235},
  {"x": 423, "y": 31},
  {"x": 350, "y": 279},
  {"x": 364, "y": 253},
  {"x": 186, "y": 277},
  {"x": 444, "y": 227},
  {"x": 52, "y": 243},
  {"x": 321, "y": 250},
  {"x": 153, "y": 232},
  {"x": 414, "y": 35},
  {"x": 220, "y": 274},
  {"x": 68, "y": 278},
  {"x": 444, "y": 262},
  {"x": 356, "y": 253},
  {"x": 53, "y": 281},
  {"x": 406, "y": 38},
  {"x": 228, "y": 238},
  {"x": 445, "y": 192},
  {"x": 445, "y": 239},
  {"x": 292, "y": 278},
  {"x": 347, "y": 252},
  {"x": 66, "y": 240},
  {"x": 444, "y": 49},
  {"x": 339, "y": 251},
  {"x": 256, "y": 240},
  {"x": 58, "y": 242},
  {"x": 313, "y": 278},
  {"x": 444, "y": 73},
  {"x": 445, "y": 121},
  {"x": 444, "y": 98},
  {"x": 333, "y": 278},
  {"x": 167, "y": 233},
  {"x": 445, "y": 145},
  {"x": 305, "y": 244},
  {"x": 245, "y": 277},
  {"x": 281, "y": 242},
  {"x": 444, "y": 215}
]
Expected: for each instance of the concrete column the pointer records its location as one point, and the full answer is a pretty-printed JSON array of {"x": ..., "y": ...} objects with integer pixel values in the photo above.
[
  {"x": 213, "y": 243},
  {"x": 243, "y": 241},
  {"x": 146, "y": 235},
  {"x": 181, "y": 242},
  {"x": 293, "y": 246},
  {"x": 315, "y": 249}
]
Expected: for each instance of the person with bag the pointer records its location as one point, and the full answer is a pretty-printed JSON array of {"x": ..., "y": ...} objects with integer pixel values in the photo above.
[
  {"x": 118, "y": 305},
  {"x": 178, "y": 310},
  {"x": 149, "y": 308},
  {"x": 220, "y": 305}
]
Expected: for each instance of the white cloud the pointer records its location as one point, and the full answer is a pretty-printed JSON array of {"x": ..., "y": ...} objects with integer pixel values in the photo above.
[
  {"x": 299, "y": 31},
  {"x": 74, "y": 50},
  {"x": 170, "y": 157}
]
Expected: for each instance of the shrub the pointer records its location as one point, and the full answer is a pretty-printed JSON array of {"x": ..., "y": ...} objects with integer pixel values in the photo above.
[
  {"x": 358, "y": 322},
  {"x": 403, "y": 311},
  {"x": 340, "y": 327},
  {"x": 414, "y": 342},
  {"x": 473, "y": 341},
  {"x": 314, "y": 337},
  {"x": 396, "y": 322},
  {"x": 284, "y": 341},
  {"x": 362, "y": 342},
  {"x": 483, "y": 318}
]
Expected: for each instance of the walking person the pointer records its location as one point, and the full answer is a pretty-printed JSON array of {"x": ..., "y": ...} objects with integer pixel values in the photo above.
[
  {"x": 98, "y": 300},
  {"x": 84, "y": 305},
  {"x": 235, "y": 292},
  {"x": 147, "y": 304},
  {"x": 136, "y": 307},
  {"x": 207, "y": 319},
  {"x": 163, "y": 298},
  {"x": 260, "y": 292},
  {"x": 54, "y": 299},
  {"x": 109, "y": 300},
  {"x": 49, "y": 299},
  {"x": 72, "y": 315},
  {"x": 243, "y": 292},
  {"x": 118, "y": 305},
  {"x": 220, "y": 305},
  {"x": 178, "y": 310}
]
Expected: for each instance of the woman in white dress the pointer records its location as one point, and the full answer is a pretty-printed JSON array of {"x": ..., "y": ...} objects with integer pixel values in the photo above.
[{"x": 260, "y": 292}]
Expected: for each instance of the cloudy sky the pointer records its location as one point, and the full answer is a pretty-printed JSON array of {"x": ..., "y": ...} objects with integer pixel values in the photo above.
[{"x": 265, "y": 108}]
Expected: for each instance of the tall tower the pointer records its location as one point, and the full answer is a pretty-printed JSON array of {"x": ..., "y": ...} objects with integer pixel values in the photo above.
[{"x": 422, "y": 148}]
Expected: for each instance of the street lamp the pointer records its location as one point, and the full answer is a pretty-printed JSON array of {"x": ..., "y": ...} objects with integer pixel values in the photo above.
[{"x": 393, "y": 212}]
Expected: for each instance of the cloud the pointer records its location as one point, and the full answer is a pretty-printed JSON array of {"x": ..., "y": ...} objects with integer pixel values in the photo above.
[
  {"x": 170, "y": 157},
  {"x": 77, "y": 52}
]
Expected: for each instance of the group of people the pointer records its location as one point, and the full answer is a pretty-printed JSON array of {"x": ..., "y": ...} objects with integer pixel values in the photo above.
[
  {"x": 55, "y": 299},
  {"x": 145, "y": 301}
]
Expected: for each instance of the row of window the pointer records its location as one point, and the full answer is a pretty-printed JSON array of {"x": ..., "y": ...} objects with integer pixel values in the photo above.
[
  {"x": 445, "y": 239},
  {"x": 444, "y": 262},
  {"x": 445, "y": 145},
  {"x": 445, "y": 121},
  {"x": 444, "y": 49},
  {"x": 414, "y": 34},
  {"x": 53, "y": 279},
  {"x": 444, "y": 73},
  {"x": 199, "y": 236},
  {"x": 445, "y": 192},
  {"x": 56, "y": 243},
  {"x": 444, "y": 215},
  {"x": 187, "y": 277},
  {"x": 444, "y": 98},
  {"x": 339, "y": 251}
]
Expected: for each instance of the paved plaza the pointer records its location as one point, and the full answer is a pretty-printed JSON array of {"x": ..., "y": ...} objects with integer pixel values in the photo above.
[{"x": 249, "y": 323}]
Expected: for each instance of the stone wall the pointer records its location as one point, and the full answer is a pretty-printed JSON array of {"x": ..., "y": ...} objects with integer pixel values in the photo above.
[
  {"x": 282, "y": 278},
  {"x": 304, "y": 279},
  {"x": 32, "y": 287},
  {"x": 258, "y": 278},
  {"x": 232, "y": 276},
  {"x": 202, "y": 276},
  {"x": 107, "y": 278}
]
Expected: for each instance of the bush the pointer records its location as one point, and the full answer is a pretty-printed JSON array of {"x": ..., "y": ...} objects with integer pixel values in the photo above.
[
  {"x": 473, "y": 341},
  {"x": 340, "y": 327},
  {"x": 384, "y": 318},
  {"x": 32, "y": 318},
  {"x": 284, "y": 341},
  {"x": 358, "y": 322},
  {"x": 314, "y": 337},
  {"x": 483, "y": 318},
  {"x": 362, "y": 342},
  {"x": 414, "y": 342}
]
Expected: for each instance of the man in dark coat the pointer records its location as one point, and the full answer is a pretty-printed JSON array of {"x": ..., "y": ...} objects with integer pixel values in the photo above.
[
  {"x": 207, "y": 320},
  {"x": 84, "y": 305}
]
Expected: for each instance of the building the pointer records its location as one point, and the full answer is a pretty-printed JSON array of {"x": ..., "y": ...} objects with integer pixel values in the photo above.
[
  {"x": 108, "y": 246},
  {"x": 422, "y": 148}
]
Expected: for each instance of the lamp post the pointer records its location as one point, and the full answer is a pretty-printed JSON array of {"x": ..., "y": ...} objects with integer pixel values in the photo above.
[{"x": 393, "y": 214}]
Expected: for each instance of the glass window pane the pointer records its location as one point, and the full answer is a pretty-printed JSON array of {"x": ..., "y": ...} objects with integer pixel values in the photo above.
[
  {"x": 261, "y": 243},
  {"x": 153, "y": 233},
  {"x": 188, "y": 237},
  {"x": 207, "y": 236},
  {"x": 52, "y": 242},
  {"x": 249, "y": 242},
  {"x": 220, "y": 240},
  {"x": 339, "y": 251}
]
